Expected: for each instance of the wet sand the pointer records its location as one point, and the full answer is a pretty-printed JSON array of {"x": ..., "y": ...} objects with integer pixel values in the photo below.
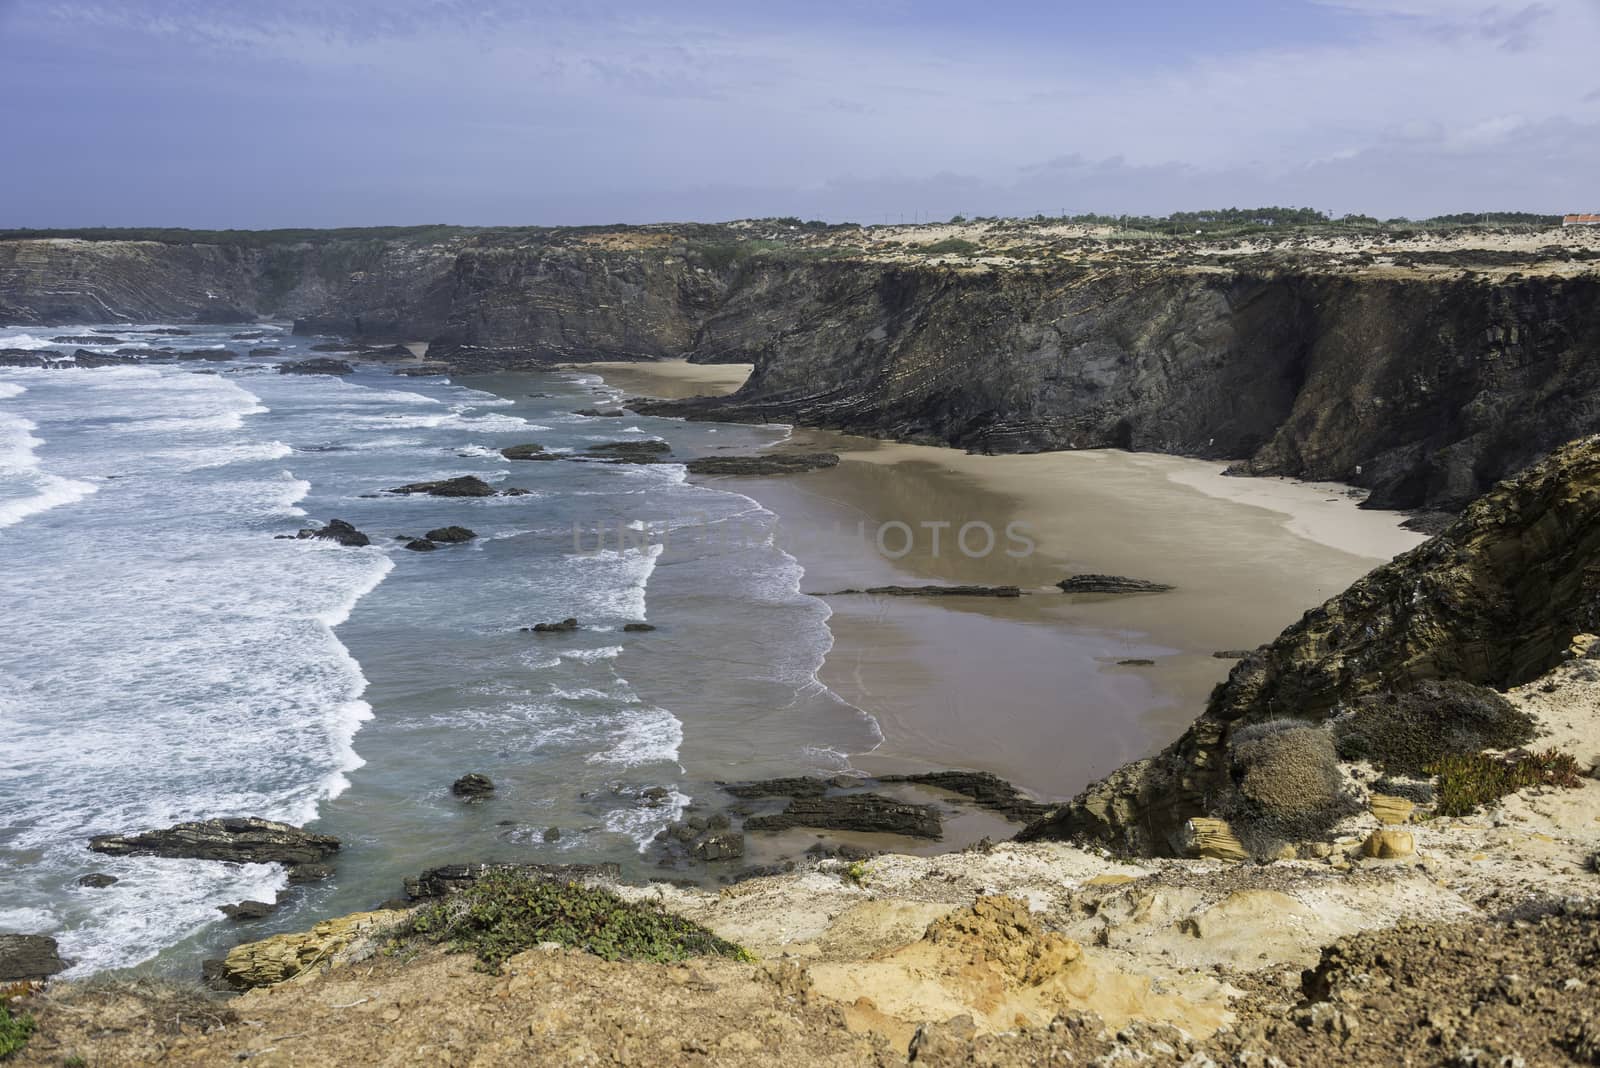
[{"x": 1032, "y": 688}]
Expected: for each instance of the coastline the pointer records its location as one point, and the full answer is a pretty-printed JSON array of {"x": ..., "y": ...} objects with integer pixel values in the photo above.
[{"x": 1247, "y": 557}]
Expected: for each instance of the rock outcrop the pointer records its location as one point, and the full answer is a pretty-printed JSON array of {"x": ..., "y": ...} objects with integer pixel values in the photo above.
[
  {"x": 242, "y": 840},
  {"x": 28, "y": 957},
  {"x": 292, "y": 956},
  {"x": 1495, "y": 600},
  {"x": 338, "y": 531},
  {"x": 464, "y": 486},
  {"x": 1110, "y": 584},
  {"x": 854, "y": 812},
  {"x": 775, "y": 463}
]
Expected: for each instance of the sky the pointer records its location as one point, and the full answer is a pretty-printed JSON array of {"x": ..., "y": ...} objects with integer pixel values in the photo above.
[{"x": 250, "y": 113}]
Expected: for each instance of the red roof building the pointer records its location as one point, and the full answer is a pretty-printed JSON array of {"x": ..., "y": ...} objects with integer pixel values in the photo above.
[{"x": 1581, "y": 220}]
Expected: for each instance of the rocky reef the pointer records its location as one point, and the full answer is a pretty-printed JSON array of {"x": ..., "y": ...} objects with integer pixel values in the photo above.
[{"x": 1498, "y": 599}]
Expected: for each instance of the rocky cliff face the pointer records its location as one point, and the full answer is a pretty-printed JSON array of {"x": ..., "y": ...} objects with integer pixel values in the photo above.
[
  {"x": 1424, "y": 385},
  {"x": 1496, "y": 599}
]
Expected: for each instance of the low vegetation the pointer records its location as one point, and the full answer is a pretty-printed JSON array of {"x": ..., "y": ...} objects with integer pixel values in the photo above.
[
  {"x": 1470, "y": 781},
  {"x": 506, "y": 913},
  {"x": 15, "y": 1029},
  {"x": 1289, "y": 785},
  {"x": 1405, "y": 733}
]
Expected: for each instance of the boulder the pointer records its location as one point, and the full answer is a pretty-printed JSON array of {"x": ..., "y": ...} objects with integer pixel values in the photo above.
[
  {"x": 637, "y": 628},
  {"x": 1386, "y": 844},
  {"x": 24, "y": 956},
  {"x": 450, "y": 535},
  {"x": 242, "y": 840},
  {"x": 1214, "y": 840},
  {"x": 719, "y": 845},
  {"x": 1110, "y": 584},
  {"x": 96, "y": 880},
  {"x": 1390, "y": 809},
  {"x": 320, "y": 366},
  {"x": 463, "y": 486},
  {"x": 473, "y": 786},
  {"x": 789, "y": 463},
  {"x": 339, "y": 531},
  {"x": 248, "y": 910},
  {"x": 570, "y": 623},
  {"x": 854, "y": 812},
  {"x": 420, "y": 545}
]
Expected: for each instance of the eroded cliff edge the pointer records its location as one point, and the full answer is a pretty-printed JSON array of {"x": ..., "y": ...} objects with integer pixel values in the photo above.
[{"x": 1424, "y": 372}]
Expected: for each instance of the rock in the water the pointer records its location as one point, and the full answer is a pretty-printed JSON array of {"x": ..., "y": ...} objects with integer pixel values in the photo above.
[
  {"x": 989, "y": 791},
  {"x": 633, "y": 452},
  {"x": 333, "y": 346},
  {"x": 337, "y": 530},
  {"x": 603, "y": 413},
  {"x": 794, "y": 786},
  {"x": 450, "y": 535},
  {"x": 243, "y": 840},
  {"x": 529, "y": 451},
  {"x": 97, "y": 880},
  {"x": 637, "y": 628},
  {"x": 424, "y": 370},
  {"x": 464, "y": 486},
  {"x": 299, "y": 874},
  {"x": 474, "y": 786},
  {"x": 567, "y": 624},
  {"x": 1232, "y": 654},
  {"x": 720, "y": 845},
  {"x": 782, "y": 463},
  {"x": 552, "y": 834},
  {"x": 289, "y": 956},
  {"x": 248, "y": 910},
  {"x": 28, "y": 957},
  {"x": 934, "y": 591},
  {"x": 1137, "y": 661},
  {"x": 86, "y": 339},
  {"x": 319, "y": 366},
  {"x": 450, "y": 878},
  {"x": 420, "y": 545},
  {"x": 854, "y": 812},
  {"x": 1110, "y": 584},
  {"x": 1387, "y": 844}
]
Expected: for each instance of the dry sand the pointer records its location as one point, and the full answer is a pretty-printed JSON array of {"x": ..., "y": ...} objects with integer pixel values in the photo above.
[{"x": 1032, "y": 688}]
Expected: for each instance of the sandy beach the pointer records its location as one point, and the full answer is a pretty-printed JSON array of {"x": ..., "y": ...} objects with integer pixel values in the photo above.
[{"x": 1048, "y": 690}]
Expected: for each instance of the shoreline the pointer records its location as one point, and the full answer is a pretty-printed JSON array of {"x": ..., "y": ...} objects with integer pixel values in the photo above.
[{"x": 1035, "y": 688}]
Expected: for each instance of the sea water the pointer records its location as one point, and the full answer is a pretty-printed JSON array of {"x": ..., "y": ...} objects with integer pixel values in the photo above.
[{"x": 170, "y": 656}]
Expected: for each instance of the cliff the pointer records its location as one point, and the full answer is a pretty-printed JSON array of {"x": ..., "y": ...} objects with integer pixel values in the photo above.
[
  {"x": 1423, "y": 371},
  {"x": 1507, "y": 593}
]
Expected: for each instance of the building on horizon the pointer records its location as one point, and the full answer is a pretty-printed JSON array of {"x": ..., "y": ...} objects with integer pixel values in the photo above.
[{"x": 1580, "y": 220}]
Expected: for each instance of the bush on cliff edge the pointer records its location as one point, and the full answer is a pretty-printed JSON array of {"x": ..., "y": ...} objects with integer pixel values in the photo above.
[
  {"x": 505, "y": 913},
  {"x": 1288, "y": 783},
  {"x": 1404, "y": 733}
]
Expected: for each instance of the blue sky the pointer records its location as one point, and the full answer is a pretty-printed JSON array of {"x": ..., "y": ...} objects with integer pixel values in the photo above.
[{"x": 225, "y": 113}]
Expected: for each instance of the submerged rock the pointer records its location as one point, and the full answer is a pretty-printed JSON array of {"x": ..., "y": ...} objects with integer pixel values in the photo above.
[
  {"x": 27, "y": 956},
  {"x": 528, "y": 451},
  {"x": 631, "y": 452},
  {"x": 989, "y": 791},
  {"x": 1110, "y": 584},
  {"x": 97, "y": 880},
  {"x": 854, "y": 812},
  {"x": 473, "y": 786},
  {"x": 790, "y": 463},
  {"x": 242, "y": 840},
  {"x": 464, "y": 486},
  {"x": 320, "y": 366},
  {"x": 793, "y": 786},
  {"x": 420, "y": 545},
  {"x": 450, "y": 535},
  {"x": 637, "y": 628}
]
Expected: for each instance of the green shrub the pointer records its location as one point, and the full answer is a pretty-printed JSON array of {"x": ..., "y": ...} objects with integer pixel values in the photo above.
[
  {"x": 955, "y": 245},
  {"x": 1467, "y": 781},
  {"x": 1404, "y": 733},
  {"x": 506, "y": 913},
  {"x": 14, "y": 1030}
]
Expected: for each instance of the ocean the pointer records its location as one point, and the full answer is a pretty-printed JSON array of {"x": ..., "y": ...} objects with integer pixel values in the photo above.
[{"x": 170, "y": 656}]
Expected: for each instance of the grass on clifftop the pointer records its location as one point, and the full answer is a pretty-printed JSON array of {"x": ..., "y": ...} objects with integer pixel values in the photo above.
[
  {"x": 1468, "y": 781},
  {"x": 506, "y": 913},
  {"x": 14, "y": 1030}
]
